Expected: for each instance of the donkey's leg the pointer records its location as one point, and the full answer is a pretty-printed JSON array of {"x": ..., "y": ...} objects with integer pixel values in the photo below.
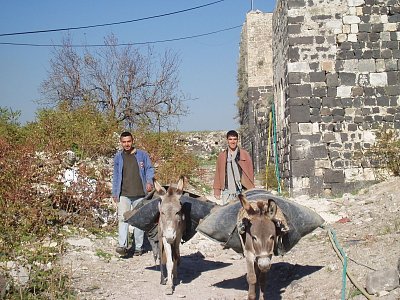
[
  {"x": 160, "y": 259},
  {"x": 175, "y": 259},
  {"x": 169, "y": 264},
  {"x": 251, "y": 278},
  {"x": 262, "y": 277}
]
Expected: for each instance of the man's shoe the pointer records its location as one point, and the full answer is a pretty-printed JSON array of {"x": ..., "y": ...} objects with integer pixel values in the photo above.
[
  {"x": 121, "y": 250},
  {"x": 138, "y": 253}
]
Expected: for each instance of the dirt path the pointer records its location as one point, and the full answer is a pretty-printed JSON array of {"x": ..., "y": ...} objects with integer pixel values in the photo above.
[{"x": 367, "y": 227}]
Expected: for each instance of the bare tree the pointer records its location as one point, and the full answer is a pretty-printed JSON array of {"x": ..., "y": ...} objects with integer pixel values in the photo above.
[{"x": 137, "y": 88}]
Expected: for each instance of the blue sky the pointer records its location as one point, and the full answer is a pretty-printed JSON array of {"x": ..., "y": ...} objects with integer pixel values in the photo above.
[{"x": 208, "y": 64}]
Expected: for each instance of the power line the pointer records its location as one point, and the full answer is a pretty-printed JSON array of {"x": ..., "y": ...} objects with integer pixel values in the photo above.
[
  {"x": 124, "y": 44},
  {"x": 109, "y": 24}
]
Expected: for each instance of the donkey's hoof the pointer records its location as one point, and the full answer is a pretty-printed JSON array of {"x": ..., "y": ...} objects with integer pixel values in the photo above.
[{"x": 169, "y": 290}]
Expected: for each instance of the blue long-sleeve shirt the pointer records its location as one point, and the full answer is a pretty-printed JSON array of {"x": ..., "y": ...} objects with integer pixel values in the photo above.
[{"x": 146, "y": 171}]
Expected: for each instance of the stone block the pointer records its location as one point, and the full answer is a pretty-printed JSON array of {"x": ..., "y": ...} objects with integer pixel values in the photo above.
[
  {"x": 377, "y": 27},
  {"x": 300, "y": 90},
  {"x": 315, "y": 102},
  {"x": 298, "y": 101},
  {"x": 296, "y": 4},
  {"x": 331, "y": 92},
  {"x": 294, "y": 77},
  {"x": 364, "y": 27},
  {"x": 396, "y": 54},
  {"x": 294, "y": 54},
  {"x": 352, "y": 127},
  {"x": 318, "y": 152},
  {"x": 319, "y": 39},
  {"x": 299, "y": 114},
  {"x": 391, "y": 65},
  {"x": 393, "y": 45},
  {"x": 344, "y": 91},
  {"x": 390, "y": 27},
  {"x": 331, "y": 102},
  {"x": 301, "y": 40},
  {"x": 332, "y": 79},
  {"x": 378, "y": 79},
  {"x": 354, "y": 28},
  {"x": 295, "y": 20},
  {"x": 351, "y": 19},
  {"x": 306, "y": 128},
  {"x": 333, "y": 176},
  {"x": 386, "y": 54},
  {"x": 357, "y": 91},
  {"x": 366, "y": 65},
  {"x": 302, "y": 67},
  {"x": 393, "y": 77},
  {"x": 350, "y": 65},
  {"x": 392, "y": 90},
  {"x": 297, "y": 139},
  {"x": 302, "y": 168},
  {"x": 327, "y": 66},
  {"x": 370, "y": 101},
  {"x": 380, "y": 65},
  {"x": 317, "y": 76},
  {"x": 347, "y": 79},
  {"x": 329, "y": 137},
  {"x": 352, "y": 37},
  {"x": 294, "y": 29},
  {"x": 320, "y": 91}
]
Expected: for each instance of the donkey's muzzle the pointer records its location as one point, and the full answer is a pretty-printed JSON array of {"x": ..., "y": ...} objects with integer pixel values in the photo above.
[
  {"x": 264, "y": 262},
  {"x": 170, "y": 235}
]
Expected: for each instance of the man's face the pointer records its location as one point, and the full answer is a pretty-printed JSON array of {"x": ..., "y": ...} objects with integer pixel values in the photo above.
[
  {"x": 126, "y": 143},
  {"x": 232, "y": 142}
]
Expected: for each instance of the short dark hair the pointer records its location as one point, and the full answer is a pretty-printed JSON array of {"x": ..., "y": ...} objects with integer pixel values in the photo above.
[
  {"x": 232, "y": 133},
  {"x": 125, "y": 134}
]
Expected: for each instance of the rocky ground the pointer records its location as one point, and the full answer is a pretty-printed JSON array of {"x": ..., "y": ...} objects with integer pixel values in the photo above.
[{"x": 367, "y": 228}]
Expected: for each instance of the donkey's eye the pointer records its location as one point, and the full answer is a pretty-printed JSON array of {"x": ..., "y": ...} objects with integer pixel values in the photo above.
[{"x": 254, "y": 238}]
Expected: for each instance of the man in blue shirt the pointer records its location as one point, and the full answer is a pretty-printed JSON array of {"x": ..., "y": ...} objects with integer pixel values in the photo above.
[{"x": 132, "y": 180}]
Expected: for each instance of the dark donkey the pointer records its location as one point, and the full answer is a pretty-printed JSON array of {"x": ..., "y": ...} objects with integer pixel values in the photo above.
[
  {"x": 171, "y": 227},
  {"x": 257, "y": 231}
]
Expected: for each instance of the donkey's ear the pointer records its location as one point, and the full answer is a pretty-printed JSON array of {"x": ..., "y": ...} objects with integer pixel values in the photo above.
[
  {"x": 159, "y": 188},
  {"x": 272, "y": 208},
  {"x": 245, "y": 204},
  {"x": 179, "y": 187}
]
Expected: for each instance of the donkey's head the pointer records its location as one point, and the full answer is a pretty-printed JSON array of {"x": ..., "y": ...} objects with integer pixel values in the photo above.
[
  {"x": 260, "y": 230},
  {"x": 171, "y": 215}
]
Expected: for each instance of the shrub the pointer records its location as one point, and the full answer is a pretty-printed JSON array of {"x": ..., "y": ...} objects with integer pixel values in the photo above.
[
  {"x": 84, "y": 130},
  {"x": 168, "y": 154},
  {"x": 385, "y": 153}
]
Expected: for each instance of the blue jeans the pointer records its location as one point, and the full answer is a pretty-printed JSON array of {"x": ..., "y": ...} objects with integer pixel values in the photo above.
[{"x": 125, "y": 204}]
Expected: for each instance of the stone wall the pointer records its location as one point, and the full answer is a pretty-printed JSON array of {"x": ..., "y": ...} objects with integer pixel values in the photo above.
[
  {"x": 255, "y": 75},
  {"x": 336, "y": 81}
]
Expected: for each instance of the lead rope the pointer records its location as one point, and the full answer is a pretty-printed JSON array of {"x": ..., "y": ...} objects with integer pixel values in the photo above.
[{"x": 342, "y": 255}]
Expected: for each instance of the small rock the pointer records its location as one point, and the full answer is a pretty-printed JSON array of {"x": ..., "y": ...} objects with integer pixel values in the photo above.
[{"x": 382, "y": 280}]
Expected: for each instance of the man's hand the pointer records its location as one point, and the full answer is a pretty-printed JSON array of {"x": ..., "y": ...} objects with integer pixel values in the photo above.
[
  {"x": 115, "y": 199},
  {"x": 149, "y": 187},
  {"x": 217, "y": 197}
]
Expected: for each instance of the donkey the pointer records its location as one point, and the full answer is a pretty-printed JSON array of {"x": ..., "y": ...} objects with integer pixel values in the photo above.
[
  {"x": 171, "y": 227},
  {"x": 257, "y": 231}
]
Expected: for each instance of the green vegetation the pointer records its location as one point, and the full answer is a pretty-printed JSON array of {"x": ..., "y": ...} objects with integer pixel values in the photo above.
[
  {"x": 104, "y": 255},
  {"x": 384, "y": 155},
  {"x": 36, "y": 207}
]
